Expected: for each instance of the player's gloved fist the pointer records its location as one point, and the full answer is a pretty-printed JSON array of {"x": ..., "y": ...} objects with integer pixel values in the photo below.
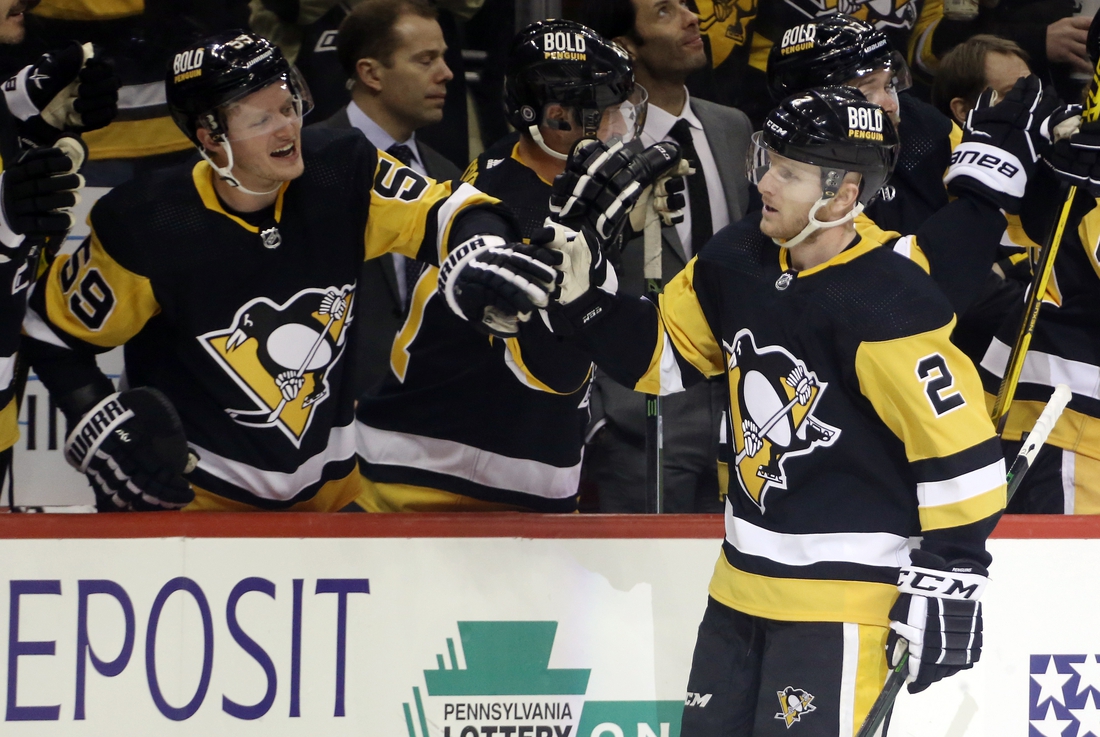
[
  {"x": 38, "y": 192},
  {"x": 132, "y": 447},
  {"x": 939, "y": 615},
  {"x": 1001, "y": 143},
  {"x": 495, "y": 284},
  {"x": 583, "y": 265},
  {"x": 1076, "y": 159},
  {"x": 71, "y": 89},
  {"x": 601, "y": 184}
]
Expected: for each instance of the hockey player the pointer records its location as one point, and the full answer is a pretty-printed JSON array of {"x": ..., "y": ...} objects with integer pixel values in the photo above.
[
  {"x": 857, "y": 426},
  {"x": 232, "y": 286},
  {"x": 462, "y": 423},
  {"x": 1065, "y": 348},
  {"x": 72, "y": 91}
]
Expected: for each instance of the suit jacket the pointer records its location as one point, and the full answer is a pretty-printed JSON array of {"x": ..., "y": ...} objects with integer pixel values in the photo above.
[
  {"x": 690, "y": 418},
  {"x": 379, "y": 313}
]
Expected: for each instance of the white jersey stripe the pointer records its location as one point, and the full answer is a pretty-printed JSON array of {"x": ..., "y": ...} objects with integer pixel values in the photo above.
[
  {"x": 7, "y": 370},
  {"x": 863, "y": 548},
  {"x": 849, "y": 670},
  {"x": 1046, "y": 369},
  {"x": 961, "y": 488},
  {"x": 390, "y": 448},
  {"x": 275, "y": 485},
  {"x": 447, "y": 211},
  {"x": 671, "y": 379}
]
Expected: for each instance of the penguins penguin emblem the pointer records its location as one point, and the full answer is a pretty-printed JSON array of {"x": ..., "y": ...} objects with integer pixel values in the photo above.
[
  {"x": 772, "y": 399},
  {"x": 281, "y": 355}
]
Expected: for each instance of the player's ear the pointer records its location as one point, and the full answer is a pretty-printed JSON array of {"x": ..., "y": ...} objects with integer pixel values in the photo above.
[
  {"x": 959, "y": 109},
  {"x": 368, "y": 73}
]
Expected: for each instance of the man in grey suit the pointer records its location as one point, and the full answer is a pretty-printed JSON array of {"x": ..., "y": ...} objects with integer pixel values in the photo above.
[
  {"x": 392, "y": 51},
  {"x": 665, "y": 43}
]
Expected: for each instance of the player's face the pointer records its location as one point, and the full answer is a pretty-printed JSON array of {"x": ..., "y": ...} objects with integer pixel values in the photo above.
[
  {"x": 671, "y": 42},
  {"x": 414, "y": 83},
  {"x": 878, "y": 87},
  {"x": 11, "y": 20},
  {"x": 265, "y": 130},
  {"x": 1002, "y": 71},
  {"x": 789, "y": 189}
]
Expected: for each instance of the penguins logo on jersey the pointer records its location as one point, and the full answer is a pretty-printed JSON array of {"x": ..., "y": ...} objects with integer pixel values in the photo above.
[
  {"x": 726, "y": 23},
  {"x": 772, "y": 400},
  {"x": 882, "y": 14},
  {"x": 281, "y": 356},
  {"x": 794, "y": 703}
]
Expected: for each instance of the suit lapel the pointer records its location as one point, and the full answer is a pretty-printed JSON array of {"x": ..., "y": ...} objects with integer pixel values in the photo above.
[{"x": 721, "y": 139}]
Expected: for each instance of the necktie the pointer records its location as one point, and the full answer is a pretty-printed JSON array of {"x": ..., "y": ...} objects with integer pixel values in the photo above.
[
  {"x": 701, "y": 226},
  {"x": 402, "y": 153},
  {"x": 413, "y": 269}
]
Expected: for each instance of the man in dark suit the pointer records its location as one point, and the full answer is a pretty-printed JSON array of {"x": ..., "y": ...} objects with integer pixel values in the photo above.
[
  {"x": 392, "y": 51},
  {"x": 665, "y": 44}
]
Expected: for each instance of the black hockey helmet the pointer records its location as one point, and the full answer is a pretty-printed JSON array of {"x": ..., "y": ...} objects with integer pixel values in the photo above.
[
  {"x": 221, "y": 69},
  {"x": 559, "y": 61},
  {"x": 835, "y": 128},
  {"x": 829, "y": 51}
]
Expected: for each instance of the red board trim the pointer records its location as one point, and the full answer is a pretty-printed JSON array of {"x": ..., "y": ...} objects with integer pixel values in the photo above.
[{"x": 502, "y": 524}]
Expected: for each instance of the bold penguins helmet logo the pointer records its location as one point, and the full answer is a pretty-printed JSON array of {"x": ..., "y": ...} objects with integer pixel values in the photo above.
[
  {"x": 794, "y": 703},
  {"x": 773, "y": 396},
  {"x": 281, "y": 356}
]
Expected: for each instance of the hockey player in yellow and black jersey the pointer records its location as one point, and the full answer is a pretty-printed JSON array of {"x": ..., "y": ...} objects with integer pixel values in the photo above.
[
  {"x": 1065, "y": 348},
  {"x": 857, "y": 428},
  {"x": 466, "y": 422},
  {"x": 232, "y": 286}
]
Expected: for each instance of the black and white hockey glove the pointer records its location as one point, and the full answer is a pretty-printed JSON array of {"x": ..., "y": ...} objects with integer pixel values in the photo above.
[
  {"x": 38, "y": 192},
  {"x": 73, "y": 89},
  {"x": 496, "y": 285},
  {"x": 1076, "y": 159},
  {"x": 1002, "y": 141},
  {"x": 583, "y": 264},
  {"x": 939, "y": 615},
  {"x": 133, "y": 450},
  {"x": 601, "y": 184}
]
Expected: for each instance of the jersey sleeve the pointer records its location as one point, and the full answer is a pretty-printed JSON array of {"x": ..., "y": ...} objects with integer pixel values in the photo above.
[
  {"x": 929, "y": 395},
  {"x": 544, "y": 361},
  {"x": 411, "y": 214},
  {"x": 87, "y": 300}
]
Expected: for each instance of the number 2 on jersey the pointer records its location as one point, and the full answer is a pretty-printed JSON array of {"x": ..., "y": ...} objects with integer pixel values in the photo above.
[{"x": 938, "y": 381}]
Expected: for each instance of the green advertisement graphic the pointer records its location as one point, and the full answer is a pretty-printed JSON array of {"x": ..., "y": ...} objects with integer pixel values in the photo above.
[{"x": 511, "y": 659}]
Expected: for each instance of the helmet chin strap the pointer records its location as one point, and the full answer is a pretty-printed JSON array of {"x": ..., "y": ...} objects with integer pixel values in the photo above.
[
  {"x": 534, "y": 131},
  {"x": 815, "y": 225},
  {"x": 226, "y": 172}
]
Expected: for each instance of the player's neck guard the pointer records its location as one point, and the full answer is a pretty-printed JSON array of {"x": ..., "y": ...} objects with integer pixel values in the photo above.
[
  {"x": 815, "y": 225},
  {"x": 534, "y": 131},
  {"x": 226, "y": 172}
]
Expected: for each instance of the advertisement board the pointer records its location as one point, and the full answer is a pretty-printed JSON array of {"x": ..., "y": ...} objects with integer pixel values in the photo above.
[{"x": 453, "y": 626}]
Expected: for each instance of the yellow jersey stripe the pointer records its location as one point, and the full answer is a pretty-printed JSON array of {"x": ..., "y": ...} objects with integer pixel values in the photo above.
[
  {"x": 514, "y": 360},
  {"x": 802, "y": 599},
  {"x": 9, "y": 425},
  {"x": 426, "y": 286},
  {"x": 966, "y": 512},
  {"x": 203, "y": 176},
  {"x": 129, "y": 139}
]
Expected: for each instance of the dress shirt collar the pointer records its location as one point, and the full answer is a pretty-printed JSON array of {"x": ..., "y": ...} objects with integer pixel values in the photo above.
[
  {"x": 376, "y": 134},
  {"x": 659, "y": 122}
]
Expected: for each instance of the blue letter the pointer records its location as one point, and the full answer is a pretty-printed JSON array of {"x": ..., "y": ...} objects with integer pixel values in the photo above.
[
  {"x": 16, "y": 648},
  {"x": 296, "y": 651},
  {"x": 251, "y": 647},
  {"x": 179, "y": 584},
  {"x": 342, "y": 587},
  {"x": 114, "y": 667}
]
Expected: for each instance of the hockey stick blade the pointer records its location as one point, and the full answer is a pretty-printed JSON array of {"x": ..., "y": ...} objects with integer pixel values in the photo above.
[
  {"x": 1037, "y": 437},
  {"x": 1035, "y": 440}
]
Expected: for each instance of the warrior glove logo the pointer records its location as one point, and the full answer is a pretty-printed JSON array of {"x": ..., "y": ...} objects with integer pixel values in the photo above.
[
  {"x": 794, "y": 703},
  {"x": 282, "y": 355},
  {"x": 773, "y": 396}
]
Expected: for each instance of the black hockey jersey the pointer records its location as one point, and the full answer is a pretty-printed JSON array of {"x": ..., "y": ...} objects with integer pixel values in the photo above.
[
  {"x": 1065, "y": 347},
  {"x": 497, "y": 420},
  {"x": 247, "y": 332},
  {"x": 857, "y": 426}
]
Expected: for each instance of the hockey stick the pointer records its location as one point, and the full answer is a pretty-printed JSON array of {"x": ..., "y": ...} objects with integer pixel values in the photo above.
[
  {"x": 273, "y": 415},
  {"x": 654, "y": 425},
  {"x": 780, "y": 414},
  {"x": 1035, "y": 440}
]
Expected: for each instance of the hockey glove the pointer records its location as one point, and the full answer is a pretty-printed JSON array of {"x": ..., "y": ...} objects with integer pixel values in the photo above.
[
  {"x": 583, "y": 265},
  {"x": 496, "y": 285},
  {"x": 72, "y": 89},
  {"x": 939, "y": 614},
  {"x": 601, "y": 185},
  {"x": 1001, "y": 143},
  {"x": 132, "y": 448},
  {"x": 1076, "y": 159},
  {"x": 38, "y": 192}
]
